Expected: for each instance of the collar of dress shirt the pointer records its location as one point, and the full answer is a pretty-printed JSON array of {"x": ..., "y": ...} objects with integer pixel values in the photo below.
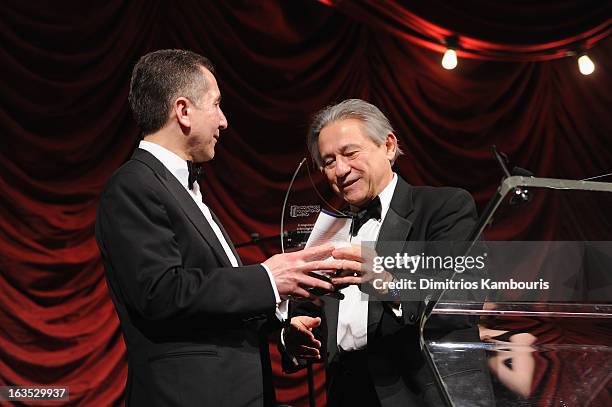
[
  {"x": 175, "y": 164},
  {"x": 385, "y": 197}
]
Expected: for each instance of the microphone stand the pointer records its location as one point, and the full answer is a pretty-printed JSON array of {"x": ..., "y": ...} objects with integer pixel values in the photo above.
[{"x": 520, "y": 195}]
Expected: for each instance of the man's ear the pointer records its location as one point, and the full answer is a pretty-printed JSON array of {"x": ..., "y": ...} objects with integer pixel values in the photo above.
[
  {"x": 391, "y": 146},
  {"x": 181, "y": 108}
]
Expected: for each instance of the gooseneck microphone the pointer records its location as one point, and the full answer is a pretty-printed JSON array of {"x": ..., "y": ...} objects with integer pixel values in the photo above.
[{"x": 520, "y": 196}]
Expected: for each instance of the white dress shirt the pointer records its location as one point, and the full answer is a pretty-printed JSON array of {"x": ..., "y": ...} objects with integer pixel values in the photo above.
[
  {"x": 352, "y": 333},
  {"x": 178, "y": 167}
]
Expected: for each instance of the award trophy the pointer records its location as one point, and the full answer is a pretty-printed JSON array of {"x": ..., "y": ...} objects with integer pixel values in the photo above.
[
  {"x": 307, "y": 195},
  {"x": 304, "y": 202}
]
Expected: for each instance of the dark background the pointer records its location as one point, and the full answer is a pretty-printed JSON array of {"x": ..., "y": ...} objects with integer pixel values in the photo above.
[{"x": 66, "y": 127}]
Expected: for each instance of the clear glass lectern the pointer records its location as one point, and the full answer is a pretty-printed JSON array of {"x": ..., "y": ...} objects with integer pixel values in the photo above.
[{"x": 547, "y": 339}]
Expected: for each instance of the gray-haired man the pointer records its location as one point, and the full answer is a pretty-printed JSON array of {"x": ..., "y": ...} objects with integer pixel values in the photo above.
[{"x": 372, "y": 347}]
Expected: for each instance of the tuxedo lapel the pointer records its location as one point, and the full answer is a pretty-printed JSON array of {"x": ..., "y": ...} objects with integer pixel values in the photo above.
[
  {"x": 396, "y": 225},
  {"x": 392, "y": 238},
  {"x": 226, "y": 236},
  {"x": 185, "y": 202}
]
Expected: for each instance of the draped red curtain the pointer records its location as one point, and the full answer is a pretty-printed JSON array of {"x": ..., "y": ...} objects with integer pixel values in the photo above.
[{"x": 66, "y": 127}]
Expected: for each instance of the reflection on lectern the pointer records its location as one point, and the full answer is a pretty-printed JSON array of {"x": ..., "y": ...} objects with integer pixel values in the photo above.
[
  {"x": 538, "y": 361},
  {"x": 547, "y": 343},
  {"x": 511, "y": 360}
]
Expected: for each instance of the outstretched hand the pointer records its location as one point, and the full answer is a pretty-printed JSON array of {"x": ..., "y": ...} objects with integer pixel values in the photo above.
[
  {"x": 300, "y": 342},
  {"x": 357, "y": 266},
  {"x": 290, "y": 271}
]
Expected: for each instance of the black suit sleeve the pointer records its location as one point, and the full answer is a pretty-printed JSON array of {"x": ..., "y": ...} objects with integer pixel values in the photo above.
[
  {"x": 139, "y": 243},
  {"x": 454, "y": 219}
]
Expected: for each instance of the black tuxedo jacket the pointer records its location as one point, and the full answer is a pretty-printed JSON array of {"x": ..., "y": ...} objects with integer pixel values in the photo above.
[
  {"x": 191, "y": 322},
  {"x": 399, "y": 372}
]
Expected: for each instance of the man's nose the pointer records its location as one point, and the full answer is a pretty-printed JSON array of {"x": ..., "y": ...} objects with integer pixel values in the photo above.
[
  {"x": 342, "y": 167},
  {"x": 223, "y": 122}
]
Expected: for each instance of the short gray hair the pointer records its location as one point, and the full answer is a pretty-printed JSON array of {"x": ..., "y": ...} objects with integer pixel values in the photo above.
[{"x": 375, "y": 123}]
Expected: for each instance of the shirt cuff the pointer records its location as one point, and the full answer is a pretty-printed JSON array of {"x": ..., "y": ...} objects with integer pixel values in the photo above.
[
  {"x": 282, "y": 310},
  {"x": 293, "y": 359},
  {"x": 276, "y": 295}
]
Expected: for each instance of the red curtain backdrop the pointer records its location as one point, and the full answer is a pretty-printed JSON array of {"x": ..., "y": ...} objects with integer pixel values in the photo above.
[{"x": 66, "y": 127}]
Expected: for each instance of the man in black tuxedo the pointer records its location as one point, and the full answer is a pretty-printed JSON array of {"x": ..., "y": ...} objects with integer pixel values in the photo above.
[
  {"x": 191, "y": 313},
  {"x": 372, "y": 348}
]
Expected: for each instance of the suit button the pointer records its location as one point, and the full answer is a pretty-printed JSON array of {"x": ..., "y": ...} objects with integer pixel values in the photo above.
[{"x": 412, "y": 317}]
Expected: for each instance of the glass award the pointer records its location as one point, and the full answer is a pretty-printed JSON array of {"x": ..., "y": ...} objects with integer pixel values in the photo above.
[
  {"x": 307, "y": 195},
  {"x": 309, "y": 201}
]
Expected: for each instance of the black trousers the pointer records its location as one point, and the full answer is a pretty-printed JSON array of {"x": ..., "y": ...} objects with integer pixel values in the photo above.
[{"x": 349, "y": 381}]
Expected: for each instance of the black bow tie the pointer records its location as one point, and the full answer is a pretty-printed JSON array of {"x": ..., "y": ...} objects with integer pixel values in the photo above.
[
  {"x": 195, "y": 170},
  {"x": 372, "y": 211}
]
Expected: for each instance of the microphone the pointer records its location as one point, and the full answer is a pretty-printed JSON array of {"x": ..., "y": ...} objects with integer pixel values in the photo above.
[{"x": 520, "y": 196}]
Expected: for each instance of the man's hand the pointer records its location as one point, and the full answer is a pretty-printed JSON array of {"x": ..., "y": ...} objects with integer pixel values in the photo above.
[
  {"x": 357, "y": 266},
  {"x": 300, "y": 342},
  {"x": 290, "y": 271}
]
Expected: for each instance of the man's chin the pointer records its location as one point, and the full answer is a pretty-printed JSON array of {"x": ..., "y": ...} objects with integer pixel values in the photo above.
[
  {"x": 354, "y": 199},
  {"x": 207, "y": 156}
]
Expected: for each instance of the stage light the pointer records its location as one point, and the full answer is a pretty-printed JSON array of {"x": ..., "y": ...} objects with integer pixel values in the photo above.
[
  {"x": 585, "y": 65},
  {"x": 449, "y": 60}
]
